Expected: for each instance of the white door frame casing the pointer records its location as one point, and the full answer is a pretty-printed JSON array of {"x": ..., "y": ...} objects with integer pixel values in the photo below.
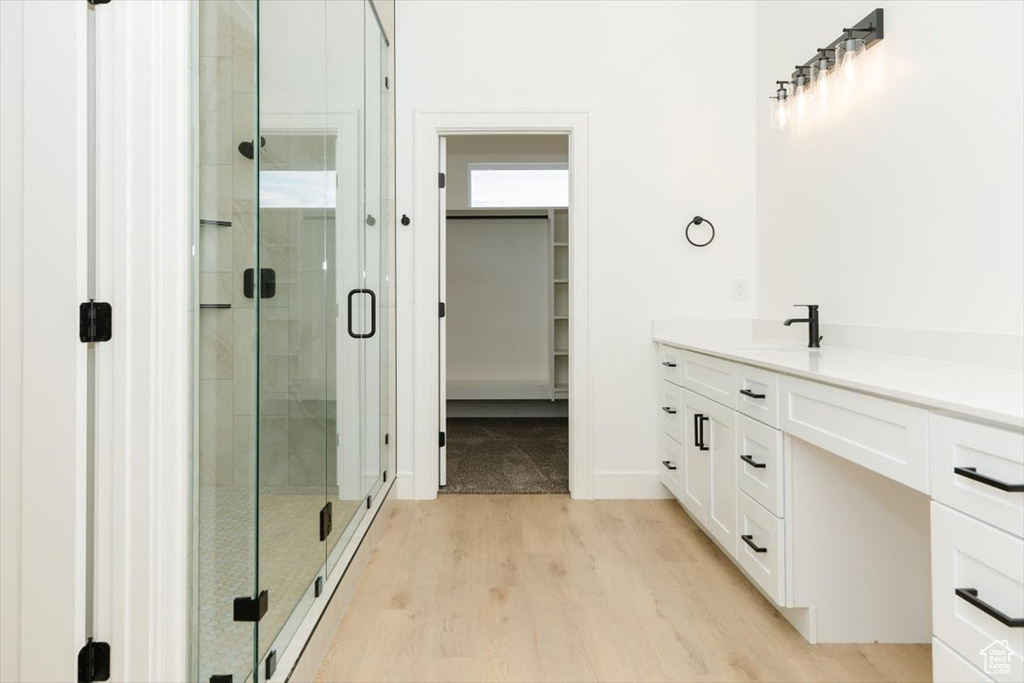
[{"x": 429, "y": 127}]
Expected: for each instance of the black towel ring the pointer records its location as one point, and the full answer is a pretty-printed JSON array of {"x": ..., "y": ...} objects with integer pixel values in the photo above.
[{"x": 697, "y": 220}]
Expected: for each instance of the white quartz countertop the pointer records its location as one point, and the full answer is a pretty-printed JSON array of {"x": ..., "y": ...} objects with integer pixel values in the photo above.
[{"x": 990, "y": 394}]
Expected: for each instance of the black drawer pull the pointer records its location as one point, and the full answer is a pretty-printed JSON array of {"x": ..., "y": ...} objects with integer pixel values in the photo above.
[
  {"x": 971, "y": 596},
  {"x": 668, "y": 464},
  {"x": 749, "y": 459},
  {"x": 749, "y": 540},
  {"x": 701, "y": 419},
  {"x": 670, "y": 411},
  {"x": 750, "y": 394},
  {"x": 668, "y": 364},
  {"x": 972, "y": 473}
]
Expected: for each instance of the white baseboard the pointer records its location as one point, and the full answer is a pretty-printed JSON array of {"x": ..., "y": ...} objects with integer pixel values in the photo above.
[
  {"x": 545, "y": 408},
  {"x": 629, "y": 485},
  {"x": 405, "y": 486}
]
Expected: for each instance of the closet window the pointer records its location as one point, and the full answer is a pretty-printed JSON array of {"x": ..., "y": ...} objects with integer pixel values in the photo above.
[
  {"x": 298, "y": 189},
  {"x": 518, "y": 185}
]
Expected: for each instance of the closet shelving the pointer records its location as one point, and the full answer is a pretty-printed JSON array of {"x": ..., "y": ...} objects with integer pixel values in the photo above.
[{"x": 559, "y": 219}]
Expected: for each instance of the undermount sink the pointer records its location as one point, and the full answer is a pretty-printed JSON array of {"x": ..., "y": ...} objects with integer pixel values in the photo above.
[{"x": 766, "y": 346}]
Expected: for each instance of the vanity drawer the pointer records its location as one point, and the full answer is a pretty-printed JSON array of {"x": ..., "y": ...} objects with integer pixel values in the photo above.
[
  {"x": 757, "y": 394},
  {"x": 968, "y": 555},
  {"x": 670, "y": 361},
  {"x": 761, "y": 550},
  {"x": 995, "y": 457},
  {"x": 670, "y": 459},
  {"x": 711, "y": 377},
  {"x": 760, "y": 452},
  {"x": 884, "y": 436},
  {"x": 949, "y": 667},
  {"x": 670, "y": 400}
]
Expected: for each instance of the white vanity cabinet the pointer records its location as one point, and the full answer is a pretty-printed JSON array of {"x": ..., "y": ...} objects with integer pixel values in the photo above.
[
  {"x": 812, "y": 488},
  {"x": 977, "y": 483},
  {"x": 707, "y": 476},
  {"x": 711, "y": 436}
]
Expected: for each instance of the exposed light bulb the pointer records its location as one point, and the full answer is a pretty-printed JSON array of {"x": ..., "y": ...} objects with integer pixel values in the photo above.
[
  {"x": 822, "y": 81},
  {"x": 847, "y": 56},
  {"x": 801, "y": 86},
  {"x": 779, "y": 110}
]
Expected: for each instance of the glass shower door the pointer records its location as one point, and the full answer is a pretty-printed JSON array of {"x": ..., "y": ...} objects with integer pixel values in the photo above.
[
  {"x": 297, "y": 307},
  {"x": 363, "y": 282},
  {"x": 294, "y": 313},
  {"x": 374, "y": 352}
]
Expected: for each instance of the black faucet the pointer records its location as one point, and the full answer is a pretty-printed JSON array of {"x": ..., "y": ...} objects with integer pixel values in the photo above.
[{"x": 813, "y": 338}]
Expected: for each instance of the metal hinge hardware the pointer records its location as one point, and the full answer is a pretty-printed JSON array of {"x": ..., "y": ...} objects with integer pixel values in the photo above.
[{"x": 94, "y": 662}]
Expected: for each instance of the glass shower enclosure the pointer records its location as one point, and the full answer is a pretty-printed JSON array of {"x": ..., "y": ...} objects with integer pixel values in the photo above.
[{"x": 293, "y": 315}]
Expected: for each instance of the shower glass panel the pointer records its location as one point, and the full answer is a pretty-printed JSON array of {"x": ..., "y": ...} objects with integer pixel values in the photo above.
[
  {"x": 224, "y": 367},
  {"x": 295, "y": 247},
  {"x": 377, "y": 254},
  {"x": 296, "y": 205}
]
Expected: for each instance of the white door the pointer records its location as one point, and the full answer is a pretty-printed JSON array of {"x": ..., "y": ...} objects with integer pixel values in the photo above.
[
  {"x": 720, "y": 437},
  {"x": 46, "y": 612},
  {"x": 442, "y": 231},
  {"x": 695, "y": 479}
]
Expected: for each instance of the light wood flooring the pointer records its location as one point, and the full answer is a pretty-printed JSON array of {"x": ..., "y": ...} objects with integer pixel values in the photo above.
[{"x": 542, "y": 588}]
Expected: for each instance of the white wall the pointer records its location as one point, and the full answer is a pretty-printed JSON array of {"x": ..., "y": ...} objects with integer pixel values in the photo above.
[
  {"x": 11, "y": 355},
  {"x": 670, "y": 95},
  {"x": 903, "y": 208},
  {"x": 474, "y": 149}
]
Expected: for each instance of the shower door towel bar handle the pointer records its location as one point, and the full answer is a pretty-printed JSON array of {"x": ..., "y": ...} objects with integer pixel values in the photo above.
[{"x": 373, "y": 314}]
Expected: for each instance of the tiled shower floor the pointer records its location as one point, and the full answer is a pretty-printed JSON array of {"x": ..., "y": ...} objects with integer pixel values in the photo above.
[{"x": 291, "y": 554}]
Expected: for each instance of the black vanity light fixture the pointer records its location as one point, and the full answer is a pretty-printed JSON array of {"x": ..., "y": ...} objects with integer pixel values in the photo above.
[{"x": 834, "y": 66}]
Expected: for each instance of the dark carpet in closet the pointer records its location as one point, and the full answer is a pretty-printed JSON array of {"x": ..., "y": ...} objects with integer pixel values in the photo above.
[{"x": 507, "y": 455}]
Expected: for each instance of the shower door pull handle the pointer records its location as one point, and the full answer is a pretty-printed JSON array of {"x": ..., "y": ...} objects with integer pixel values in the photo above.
[{"x": 373, "y": 314}]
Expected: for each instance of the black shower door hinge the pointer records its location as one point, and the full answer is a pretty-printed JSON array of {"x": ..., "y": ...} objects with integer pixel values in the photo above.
[
  {"x": 440, "y": 309},
  {"x": 441, "y": 440},
  {"x": 325, "y": 521},
  {"x": 271, "y": 664},
  {"x": 95, "y": 321},
  {"x": 251, "y": 609},
  {"x": 94, "y": 662},
  {"x": 440, "y": 180}
]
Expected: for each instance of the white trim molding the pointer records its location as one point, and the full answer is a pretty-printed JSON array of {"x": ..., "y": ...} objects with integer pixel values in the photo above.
[
  {"x": 144, "y": 264},
  {"x": 629, "y": 485},
  {"x": 429, "y": 127}
]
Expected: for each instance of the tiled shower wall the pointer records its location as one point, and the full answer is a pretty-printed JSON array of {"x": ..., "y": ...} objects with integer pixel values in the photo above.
[{"x": 296, "y": 413}]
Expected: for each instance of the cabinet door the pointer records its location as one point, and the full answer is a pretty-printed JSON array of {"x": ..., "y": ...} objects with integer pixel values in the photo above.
[
  {"x": 695, "y": 473},
  {"x": 720, "y": 436}
]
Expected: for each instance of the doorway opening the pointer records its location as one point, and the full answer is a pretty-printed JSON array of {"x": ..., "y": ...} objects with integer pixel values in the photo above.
[{"x": 504, "y": 343}]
